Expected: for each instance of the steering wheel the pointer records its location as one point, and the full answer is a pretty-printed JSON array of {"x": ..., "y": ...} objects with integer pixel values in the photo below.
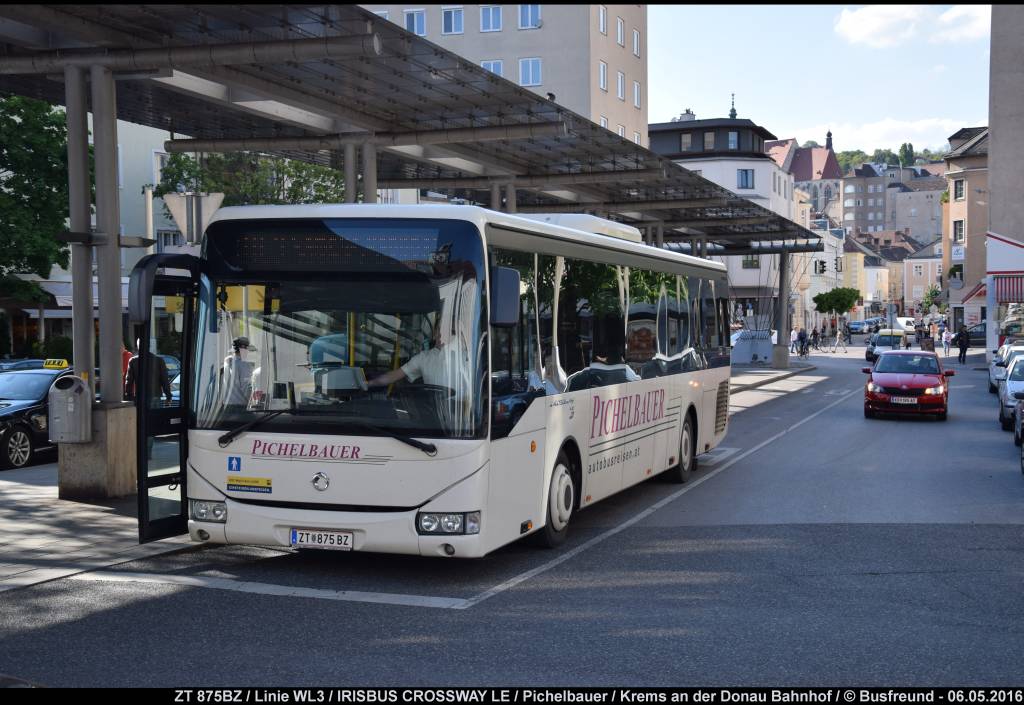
[{"x": 424, "y": 390}]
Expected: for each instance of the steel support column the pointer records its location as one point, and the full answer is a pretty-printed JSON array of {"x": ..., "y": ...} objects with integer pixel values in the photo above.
[
  {"x": 351, "y": 174},
  {"x": 510, "y": 198},
  {"x": 495, "y": 197},
  {"x": 78, "y": 210},
  {"x": 108, "y": 221},
  {"x": 369, "y": 173},
  {"x": 659, "y": 235},
  {"x": 780, "y": 352}
]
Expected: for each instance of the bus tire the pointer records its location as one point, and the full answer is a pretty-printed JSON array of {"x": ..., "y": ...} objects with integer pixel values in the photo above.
[
  {"x": 687, "y": 456},
  {"x": 562, "y": 495}
]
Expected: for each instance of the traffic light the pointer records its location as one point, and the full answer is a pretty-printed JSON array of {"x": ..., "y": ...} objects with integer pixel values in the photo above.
[{"x": 839, "y": 264}]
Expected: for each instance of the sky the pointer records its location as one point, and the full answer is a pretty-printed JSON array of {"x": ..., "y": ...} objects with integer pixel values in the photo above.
[{"x": 876, "y": 75}]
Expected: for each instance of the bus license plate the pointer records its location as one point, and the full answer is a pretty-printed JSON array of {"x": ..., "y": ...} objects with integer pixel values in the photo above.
[
  {"x": 904, "y": 400},
  {"x": 315, "y": 538}
]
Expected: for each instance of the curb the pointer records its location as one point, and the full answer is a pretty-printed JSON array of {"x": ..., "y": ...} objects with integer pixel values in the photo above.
[{"x": 754, "y": 385}]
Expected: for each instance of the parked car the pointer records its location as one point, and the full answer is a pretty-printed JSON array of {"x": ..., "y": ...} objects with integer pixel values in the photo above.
[
  {"x": 1008, "y": 386},
  {"x": 1001, "y": 358},
  {"x": 173, "y": 365},
  {"x": 858, "y": 326},
  {"x": 907, "y": 382},
  {"x": 977, "y": 335},
  {"x": 1018, "y": 424},
  {"x": 24, "y": 407},
  {"x": 885, "y": 339},
  {"x": 1011, "y": 329},
  {"x": 11, "y": 365}
]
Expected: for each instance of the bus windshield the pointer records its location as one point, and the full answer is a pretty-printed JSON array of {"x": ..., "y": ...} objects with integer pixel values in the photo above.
[{"x": 351, "y": 326}]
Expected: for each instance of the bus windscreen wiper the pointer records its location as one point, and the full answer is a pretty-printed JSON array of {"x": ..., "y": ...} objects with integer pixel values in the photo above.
[
  {"x": 225, "y": 440},
  {"x": 428, "y": 448}
]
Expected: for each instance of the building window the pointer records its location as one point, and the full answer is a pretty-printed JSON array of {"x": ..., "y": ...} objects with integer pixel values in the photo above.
[
  {"x": 604, "y": 121},
  {"x": 871, "y": 216},
  {"x": 490, "y": 18},
  {"x": 451, "y": 20},
  {"x": 775, "y": 181},
  {"x": 860, "y": 202},
  {"x": 602, "y": 75},
  {"x": 622, "y": 130},
  {"x": 847, "y": 216},
  {"x": 636, "y": 94},
  {"x": 636, "y": 137},
  {"x": 495, "y": 66},
  {"x": 602, "y": 19},
  {"x": 620, "y": 31},
  {"x": 383, "y": 14},
  {"x": 938, "y": 269},
  {"x": 620, "y": 86},
  {"x": 636, "y": 42},
  {"x": 734, "y": 140},
  {"x": 871, "y": 201},
  {"x": 529, "y": 70},
  {"x": 850, "y": 188},
  {"x": 744, "y": 178},
  {"x": 958, "y": 231},
  {"x": 529, "y": 16},
  {"x": 751, "y": 262},
  {"x": 848, "y": 203},
  {"x": 685, "y": 141},
  {"x": 958, "y": 190},
  {"x": 709, "y": 141},
  {"x": 918, "y": 270},
  {"x": 416, "y": 22}
]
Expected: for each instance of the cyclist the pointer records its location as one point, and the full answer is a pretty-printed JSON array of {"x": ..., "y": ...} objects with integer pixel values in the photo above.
[{"x": 801, "y": 339}]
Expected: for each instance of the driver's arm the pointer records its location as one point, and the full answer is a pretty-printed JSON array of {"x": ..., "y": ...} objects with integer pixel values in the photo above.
[{"x": 387, "y": 378}]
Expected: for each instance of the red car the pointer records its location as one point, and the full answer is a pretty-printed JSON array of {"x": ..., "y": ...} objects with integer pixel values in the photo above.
[{"x": 907, "y": 382}]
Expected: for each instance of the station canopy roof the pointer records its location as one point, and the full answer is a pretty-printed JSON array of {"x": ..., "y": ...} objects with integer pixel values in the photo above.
[{"x": 405, "y": 85}]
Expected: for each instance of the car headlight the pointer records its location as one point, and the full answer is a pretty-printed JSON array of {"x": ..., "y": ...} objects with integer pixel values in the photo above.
[
  {"x": 875, "y": 388},
  {"x": 935, "y": 390},
  {"x": 438, "y": 523},
  {"x": 202, "y": 510}
]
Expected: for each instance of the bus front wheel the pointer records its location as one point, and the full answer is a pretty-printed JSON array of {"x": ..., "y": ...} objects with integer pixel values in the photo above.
[{"x": 561, "y": 503}]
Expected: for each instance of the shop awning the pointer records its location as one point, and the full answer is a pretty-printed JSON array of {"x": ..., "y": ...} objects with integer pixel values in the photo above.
[
  {"x": 979, "y": 290},
  {"x": 1010, "y": 288}
]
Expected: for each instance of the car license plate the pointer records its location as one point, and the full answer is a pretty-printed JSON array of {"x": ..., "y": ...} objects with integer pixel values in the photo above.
[
  {"x": 903, "y": 400},
  {"x": 318, "y": 538}
]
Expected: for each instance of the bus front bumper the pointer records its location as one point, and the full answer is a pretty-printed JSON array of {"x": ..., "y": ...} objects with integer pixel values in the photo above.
[{"x": 378, "y": 532}]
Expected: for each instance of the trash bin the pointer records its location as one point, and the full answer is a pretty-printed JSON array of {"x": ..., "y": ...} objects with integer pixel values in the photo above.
[{"x": 70, "y": 413}]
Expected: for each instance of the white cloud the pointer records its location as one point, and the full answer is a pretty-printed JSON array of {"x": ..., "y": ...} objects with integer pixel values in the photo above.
[
  {"x": 881, "y": 26},
  {"x": 963, "y": 23},
  {"x": 886, "y": 133},
  {"x": 939, "y": 68}
]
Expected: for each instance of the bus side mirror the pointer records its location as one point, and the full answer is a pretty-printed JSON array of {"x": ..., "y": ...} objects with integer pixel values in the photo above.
[{"x": 504, "y": 297}]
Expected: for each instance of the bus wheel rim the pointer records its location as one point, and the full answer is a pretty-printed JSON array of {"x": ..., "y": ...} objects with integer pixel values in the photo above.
[
  {"x": 562, "y": 498},
  {"x": 18, "y": 448},
  {"x": 685, "y": 446}
]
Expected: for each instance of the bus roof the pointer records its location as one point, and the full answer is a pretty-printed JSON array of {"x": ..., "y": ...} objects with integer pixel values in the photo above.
[{"x": 480, "y": 216}]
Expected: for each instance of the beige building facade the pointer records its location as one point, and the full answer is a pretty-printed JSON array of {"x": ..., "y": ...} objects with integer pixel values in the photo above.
[
  {"x": 921, "y": 271},
  {"x": 966, "y": 224},
  {"x": 591, "y": 58}
]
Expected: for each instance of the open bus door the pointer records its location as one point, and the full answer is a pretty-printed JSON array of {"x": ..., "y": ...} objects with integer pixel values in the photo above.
[{"x": 162, "y": 421}]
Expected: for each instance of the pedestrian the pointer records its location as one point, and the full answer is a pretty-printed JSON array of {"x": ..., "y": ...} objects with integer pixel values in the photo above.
[
  {"x": 963, "y": 341},
  {"x": 933, "y": 330},
  {"x": 801, "y": 338},
  {"x": 158, "y": 379},
  {"x": 792, "y": 340},
  {"x": 847, "y": 332},
  {"x": 947, "y": 337},
  {"x": 814, "y": 339}
]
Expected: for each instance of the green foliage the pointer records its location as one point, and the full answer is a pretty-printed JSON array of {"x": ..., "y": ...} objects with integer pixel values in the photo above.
[
  {"x": 884, "y": 156},
  {"x": 944, "y": 198},
  {"x": 849, "y": 159},
  {"x": 20, "y": 290},
  {"x": 59, "y": 347},
  {"x": 810, "y": 143},
  {"x": 839, "y": 300},
  {"x": 906, "y": 154},
  {"x": 930, "y": 296},
  {"x": 33, "y": 186},
  {"x": 251, "y": 179}
]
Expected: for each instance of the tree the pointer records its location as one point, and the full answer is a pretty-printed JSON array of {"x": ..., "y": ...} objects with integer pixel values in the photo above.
[
  {"x": 839, "y": 300},
  {"x": 884, "y": 156},
  {"x": 907, "y": 154},
  {"x": 930, "y": 297},
  {"x": 33, "y": 187},
  {"x": 247, "y": 178},
  {"x": 847, "y": 160},
  {"x": 810, "y": 143}
]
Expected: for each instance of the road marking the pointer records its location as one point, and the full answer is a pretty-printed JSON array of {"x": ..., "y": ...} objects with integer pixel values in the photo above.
[
  {"x": 717, "y": 455},
  {"x": 962, "y": 386},
  {"x": 512, "y": 582},
  {"x": 383, "y": 598}
]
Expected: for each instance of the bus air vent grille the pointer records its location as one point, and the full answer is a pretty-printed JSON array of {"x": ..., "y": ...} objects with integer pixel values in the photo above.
[{"x": 722, "y": 407}]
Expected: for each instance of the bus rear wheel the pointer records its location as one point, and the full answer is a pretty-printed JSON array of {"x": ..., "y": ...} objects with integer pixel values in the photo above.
[
  {"x": 687, "y": 457},
  {"x": 561, "y": 503}
]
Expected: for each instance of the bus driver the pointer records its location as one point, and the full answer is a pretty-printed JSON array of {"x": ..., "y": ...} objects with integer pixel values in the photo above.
[{"x": 441, "y": 365}]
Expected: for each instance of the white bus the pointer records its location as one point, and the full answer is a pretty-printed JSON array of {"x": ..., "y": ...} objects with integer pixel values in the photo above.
[{"x": 432, "y": 380}]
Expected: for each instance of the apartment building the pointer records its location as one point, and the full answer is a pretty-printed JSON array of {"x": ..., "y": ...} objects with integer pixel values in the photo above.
[
  {"x": 916, "y": 207},
  {"x": 966, "y": 224},
  {"x": 921, "y": 271},
  {"x": 590, "y": 58},
  {"x": 731, "y": 152}
]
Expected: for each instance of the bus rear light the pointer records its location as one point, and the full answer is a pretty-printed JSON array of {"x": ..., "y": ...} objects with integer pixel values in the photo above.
[
  {"x": 208, "y": 511},
  {"x": 448, "y": 523}
]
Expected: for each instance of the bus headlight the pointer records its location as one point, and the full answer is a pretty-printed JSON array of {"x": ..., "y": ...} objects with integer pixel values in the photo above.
[
  {"x": 208, "y": 511},
  {"x": 448, "y": 523}
]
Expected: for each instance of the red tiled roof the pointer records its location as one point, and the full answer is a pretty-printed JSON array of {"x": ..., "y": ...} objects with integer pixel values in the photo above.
[
  {"x": 781, "y": 151},
  {"x": 813, "y": 163}
]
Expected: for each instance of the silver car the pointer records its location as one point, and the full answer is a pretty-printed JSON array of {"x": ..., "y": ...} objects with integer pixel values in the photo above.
[
  {"x": 1000, "y": 360},
  {"x": 1013, "y": 382}
]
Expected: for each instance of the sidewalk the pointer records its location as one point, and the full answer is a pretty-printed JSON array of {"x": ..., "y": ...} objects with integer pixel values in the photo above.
[
  {"x": 746, "y": 377},
  {"x": 44, "y": 538}
]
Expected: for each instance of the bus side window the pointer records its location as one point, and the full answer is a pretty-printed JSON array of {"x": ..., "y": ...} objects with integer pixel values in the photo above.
[
  {"x": 643, "y": 331},
  {"x": 724, "y": 328},
  {"x": 682, "y": 304}
]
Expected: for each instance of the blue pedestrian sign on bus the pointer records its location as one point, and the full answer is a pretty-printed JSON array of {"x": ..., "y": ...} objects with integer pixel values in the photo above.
[{"x": 234, "y": 463}]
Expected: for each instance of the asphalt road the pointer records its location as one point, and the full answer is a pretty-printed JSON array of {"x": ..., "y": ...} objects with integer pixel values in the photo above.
[{"x": 816, "y": 547}]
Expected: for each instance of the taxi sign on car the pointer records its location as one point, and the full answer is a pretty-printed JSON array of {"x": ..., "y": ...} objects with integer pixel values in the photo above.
[{"x": 55, "y": 364}]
